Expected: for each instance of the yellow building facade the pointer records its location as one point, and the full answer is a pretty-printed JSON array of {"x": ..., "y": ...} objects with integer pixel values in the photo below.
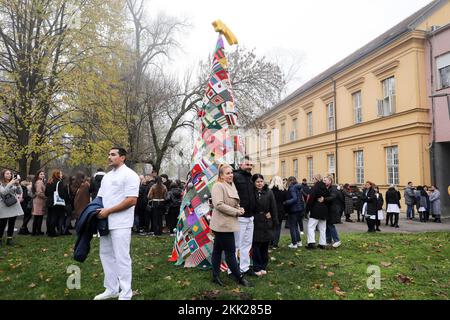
[{"x": 366, "y": 118}]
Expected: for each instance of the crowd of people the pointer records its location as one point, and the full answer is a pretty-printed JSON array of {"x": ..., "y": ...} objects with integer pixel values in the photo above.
[{"x": 248, "y": 212}]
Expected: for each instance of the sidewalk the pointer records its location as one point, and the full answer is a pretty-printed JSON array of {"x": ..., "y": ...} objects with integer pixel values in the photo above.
[{"x": 406, "y": 226}]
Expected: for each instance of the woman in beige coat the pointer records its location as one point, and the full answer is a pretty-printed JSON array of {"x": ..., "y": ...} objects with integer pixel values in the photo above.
[
  {"x": 224, "y": 222},
  {"x": 39, "y": 207}
]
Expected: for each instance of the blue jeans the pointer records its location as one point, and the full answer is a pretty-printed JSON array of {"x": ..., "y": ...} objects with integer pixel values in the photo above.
[
  {"x": 332, "y": 233},
  {"x": 410, "y": 211},
  {"x": 276, "y": 238},
  {"x": 293, "y": 227}
]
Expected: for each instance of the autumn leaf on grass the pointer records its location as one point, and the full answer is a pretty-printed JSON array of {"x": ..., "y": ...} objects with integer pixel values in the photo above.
[
  {"x": 32, "y": 285},
  {"x": 150, "y": 267},
  {"x": 404, "y": 279},
  {"x": 330, "y": 274},
  {"x": 323, "y": 266},
  {"x": 236, "y": 290},
  {"x": 386, "y": 264},
  {"x": 44, "y": 249},
  {"x": 337, "y": 290},
  {"x": 168, "y": 278},
  {"x": 291, "y": 264},
  {"x": 136, "y": 292},
  {"x": 317, "y": 286}
]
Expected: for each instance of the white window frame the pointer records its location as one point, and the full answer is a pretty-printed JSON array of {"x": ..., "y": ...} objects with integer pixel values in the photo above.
[
  {"x": 392, "y": 165},
  {"x": 295, "y": 166},
  {"x": 359, "y": 166},
  {"x": 309, "y": 124},
  {"x": 357, "y": 108},
  {"x": 283, "y": 133},
  {"x": 331, "y": 164},
  {"x": 330, "y": 116},
  {"x": 310, "y": 164},
  {"x": 443, "y": 66},
  {"x": 293, "y": 135},
  {"x": 387, "y": 106}
]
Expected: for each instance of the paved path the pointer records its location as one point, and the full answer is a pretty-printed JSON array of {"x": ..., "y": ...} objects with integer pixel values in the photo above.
[{"x": 406, "y": 226}]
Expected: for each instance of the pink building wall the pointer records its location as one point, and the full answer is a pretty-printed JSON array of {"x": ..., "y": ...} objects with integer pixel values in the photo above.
[{"x": 440, "y": 42}]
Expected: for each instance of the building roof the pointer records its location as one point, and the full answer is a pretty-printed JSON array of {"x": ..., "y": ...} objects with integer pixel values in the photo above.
[{"x": 383, "y": 40}]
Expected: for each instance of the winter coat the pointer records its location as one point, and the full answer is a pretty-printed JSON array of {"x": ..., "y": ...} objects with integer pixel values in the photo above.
[
  {"x": 280, "y": 198},
  {"x": 174, "y": 197},
  {"x": 87, "y": 225},
  {"x": 225, "y": 201},
  {"x": 246, "y": 190},
  {"x": 50, "y": 188},
  {"x": 393, "y": 197},
  {"x": 306, "y": 190},
  {"x": 435, "y": 199},
  {"x": 294, "y": 202},
  {"x": 348, "y": 202},
  {"x": 380, "y": 201},
  {"x": 423, "y": 200},
  {"x": 334, "y": 205},
  {"x": 96, "y": 184},
  {"x": 318, "y": 210},
  {"x": 14, "y": 210},
  {"x": 264, "y": 227},
  {"x": 27, "y": 201},
  {"x": 409, "y": 195},
  {"x": 81, "y": 199},
  {"x": 142, "y": 201},
  {"x": 39, "y": 201},
  {"x": 368, "y": 196}
]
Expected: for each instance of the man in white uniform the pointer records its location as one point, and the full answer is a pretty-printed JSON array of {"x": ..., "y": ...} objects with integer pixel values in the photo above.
[{"x": 119, "y": 192}]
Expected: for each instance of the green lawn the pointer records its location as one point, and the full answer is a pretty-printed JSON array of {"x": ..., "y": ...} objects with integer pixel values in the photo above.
[{"x": 413, "y": 266}]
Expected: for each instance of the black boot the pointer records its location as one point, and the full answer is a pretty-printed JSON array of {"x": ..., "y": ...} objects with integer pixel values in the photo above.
[
  {"x": 9, "y": 241},
  {"x": 217, "y": 281},
  {"x": 244, "y": 282},
  {"x": 24, "y": 231}
]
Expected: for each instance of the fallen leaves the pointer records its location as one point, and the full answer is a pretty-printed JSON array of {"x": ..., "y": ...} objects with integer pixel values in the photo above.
[
  {"x": 317, "y": 286},
  {"x": 149, "y": 267},
  {"x": 337, "y": 290},
  {"x": 386, "y": 264},
  {"x": 32, "y": 285},
  {"x": 168, "y": 278},
  {"x": 330, "y": 274},
  {"x": 404, "y": 279}
]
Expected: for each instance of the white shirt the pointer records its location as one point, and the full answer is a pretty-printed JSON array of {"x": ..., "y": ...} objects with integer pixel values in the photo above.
[{"x": 117, "y": 185}]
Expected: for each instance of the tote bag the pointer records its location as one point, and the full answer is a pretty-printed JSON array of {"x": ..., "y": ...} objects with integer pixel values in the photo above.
[{"x": 57, "y": 200}]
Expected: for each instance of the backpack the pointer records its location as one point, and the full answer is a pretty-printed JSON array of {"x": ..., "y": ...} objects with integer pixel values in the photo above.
[{"x": 176, "y": 197}]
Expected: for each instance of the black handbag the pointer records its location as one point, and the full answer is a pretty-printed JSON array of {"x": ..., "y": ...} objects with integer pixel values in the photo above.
[{"x": 9, "y": 199}]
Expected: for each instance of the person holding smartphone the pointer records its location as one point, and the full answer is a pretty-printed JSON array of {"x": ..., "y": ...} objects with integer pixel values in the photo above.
[{"x": 9, "y": 185}]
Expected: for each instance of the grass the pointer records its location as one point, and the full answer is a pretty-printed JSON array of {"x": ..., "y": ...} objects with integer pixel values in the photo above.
[{"x": 413, "y": 266}]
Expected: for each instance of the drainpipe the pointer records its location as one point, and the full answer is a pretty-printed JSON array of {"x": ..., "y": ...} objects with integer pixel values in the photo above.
[
  {"x": 433, "y": 124},
  {"x": 336, "y": 165}
]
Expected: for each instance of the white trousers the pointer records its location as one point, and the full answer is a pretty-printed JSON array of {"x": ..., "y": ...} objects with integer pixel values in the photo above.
[
  {"x": 116, "y": 262},
  {"x": 312, "y": 223},
  {"x": 243, "y": 240}
]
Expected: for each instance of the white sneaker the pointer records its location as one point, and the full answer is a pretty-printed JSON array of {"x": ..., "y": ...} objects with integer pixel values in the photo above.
[
  {"x": 299, "y": 244},
  {"x": 259, "y": 273},
  {"x": 264, "y": 272},
  {"x": 293, "y": 246},
  {"x": 302, "y": 233},
  {"x": 106, "y": 295},
  {"x": 337, "y": 244}
]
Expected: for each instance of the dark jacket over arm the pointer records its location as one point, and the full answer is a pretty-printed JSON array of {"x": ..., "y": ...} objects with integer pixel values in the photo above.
[{"x": 87, "y": 225}]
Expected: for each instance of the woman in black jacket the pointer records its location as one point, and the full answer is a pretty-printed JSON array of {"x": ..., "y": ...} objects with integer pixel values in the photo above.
[
  {"x": 266, "y": 218},
  {"x": 56, "y": 211},
  {"x": 334, "y": 214},
  {"x": 280, "y": 193},
  {"x": 380, "y": 202},
  {"x": 318, "y": 212},
  {"x": 370, "y": 205},
  {"x": 392, "y": 206}
]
